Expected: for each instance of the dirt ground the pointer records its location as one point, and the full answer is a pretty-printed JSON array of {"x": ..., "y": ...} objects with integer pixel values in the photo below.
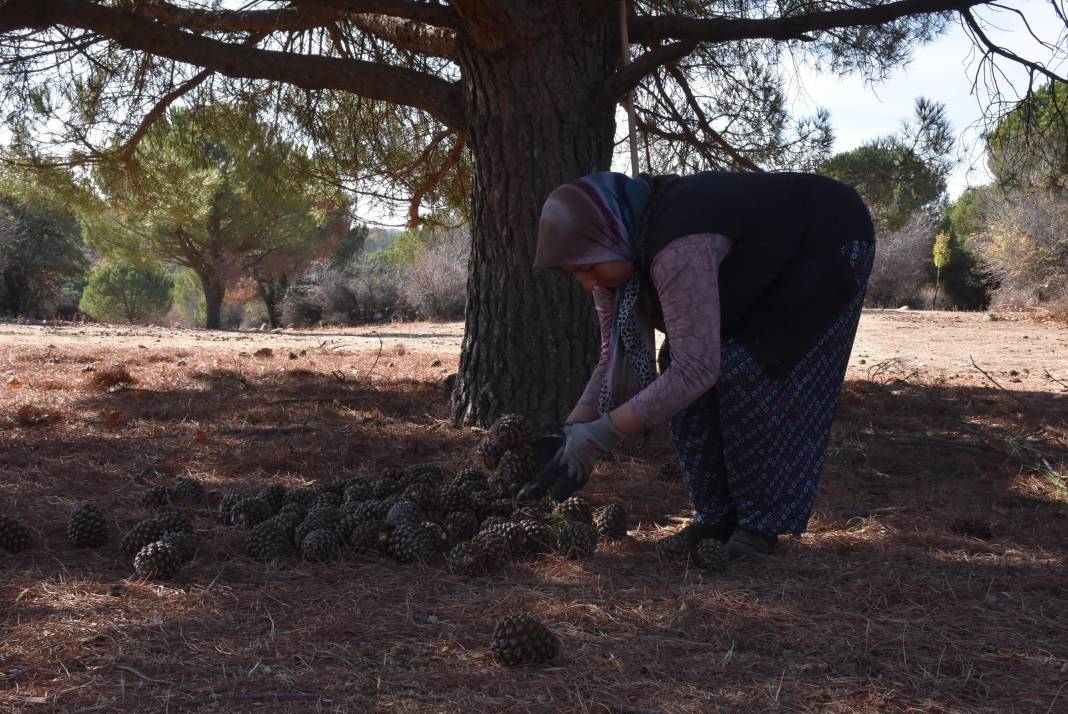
[{"x": 932, "y": 577}]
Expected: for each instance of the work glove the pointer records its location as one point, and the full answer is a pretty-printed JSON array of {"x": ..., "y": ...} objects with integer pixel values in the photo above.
[{"x": 570, "y": 469}]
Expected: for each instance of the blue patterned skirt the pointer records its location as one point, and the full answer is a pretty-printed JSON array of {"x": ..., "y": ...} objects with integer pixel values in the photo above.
[{"x": 752, "y": 447}]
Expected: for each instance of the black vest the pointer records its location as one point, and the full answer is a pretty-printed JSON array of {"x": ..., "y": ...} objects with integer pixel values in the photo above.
[{"x": 785, "y": 279}]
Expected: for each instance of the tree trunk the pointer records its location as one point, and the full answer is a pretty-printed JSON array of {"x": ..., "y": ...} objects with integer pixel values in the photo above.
[
  {"x": 214, "y": 291},
  {"x": 272, "y": 292},
  {"x": 530, "y": 339}
]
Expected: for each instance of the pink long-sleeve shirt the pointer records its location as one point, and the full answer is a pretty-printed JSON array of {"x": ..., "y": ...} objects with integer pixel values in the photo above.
[{"x": 685, "y": 275}]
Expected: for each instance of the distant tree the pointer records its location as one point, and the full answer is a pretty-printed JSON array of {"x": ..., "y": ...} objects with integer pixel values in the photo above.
[
  {"x": 1029, "y": 146},
  {"x": 120, "y": 292},
  {"x": 942, "y": 255},
  {"x": 40, "y": 255},
  {"x": 212, "y": 191},
  {"x": 900, "y": 174}
]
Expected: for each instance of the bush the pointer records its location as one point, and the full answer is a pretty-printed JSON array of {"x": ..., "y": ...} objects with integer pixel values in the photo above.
[
  {"x": 1024, "y": 247},
  {"x": 902, "y": 261},
  {"x": 435, "y": 284},
  {"x": 427, "y": 280},
  {"x": 120, "y": 292}
]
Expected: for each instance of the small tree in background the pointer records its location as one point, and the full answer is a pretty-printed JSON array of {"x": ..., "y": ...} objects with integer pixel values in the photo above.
[
  {"x": 41, "y": 254},
  {"x": 121, "y": 292},
  {"x": 942, "y": 254}
]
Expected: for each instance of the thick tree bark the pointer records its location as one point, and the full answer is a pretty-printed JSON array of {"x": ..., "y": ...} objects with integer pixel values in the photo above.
[
  {"x": 214, "y": 291},
  {"x": 530, "y": 339}
]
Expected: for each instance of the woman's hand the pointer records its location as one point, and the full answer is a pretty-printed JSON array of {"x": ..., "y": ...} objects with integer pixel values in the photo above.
[{"x": 569, "y": 471}]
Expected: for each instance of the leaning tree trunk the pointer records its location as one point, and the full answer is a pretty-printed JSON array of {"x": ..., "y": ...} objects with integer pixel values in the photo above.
[{"x": 530, "y": 339}]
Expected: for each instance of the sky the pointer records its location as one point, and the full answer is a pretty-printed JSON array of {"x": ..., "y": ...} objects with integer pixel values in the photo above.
[{"x": 942, "y": 70}]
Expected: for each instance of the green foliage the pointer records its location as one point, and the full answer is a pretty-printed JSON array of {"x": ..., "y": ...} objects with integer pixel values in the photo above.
[
  {"x": 214, "y": 192},
  {"x": 41, "y": 257},
  {"x": 350, "y": 245},
  {"x": 120, "y": 292},
  {"x": 1030, "y": 144},
  {"x": 966, "y": 214},
  {"x": 901, "y": 174},
  {"x": 187, "y": 299},
  {"x": 405, "y": 248},
  {"x": 943, "y": 250}
]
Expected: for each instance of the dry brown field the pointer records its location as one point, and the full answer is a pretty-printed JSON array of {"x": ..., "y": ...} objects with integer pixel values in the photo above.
[{"x": 932, "y": 578}]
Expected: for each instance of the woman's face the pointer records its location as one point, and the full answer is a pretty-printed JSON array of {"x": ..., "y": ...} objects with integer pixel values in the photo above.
[{"x": 609, "y": 274}]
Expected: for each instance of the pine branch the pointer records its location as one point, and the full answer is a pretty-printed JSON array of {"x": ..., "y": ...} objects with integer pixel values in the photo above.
[
  {"x": 628, "y": 78},
  {"x": 439, "y": 98},
  {"x": 648, "y": 30}
]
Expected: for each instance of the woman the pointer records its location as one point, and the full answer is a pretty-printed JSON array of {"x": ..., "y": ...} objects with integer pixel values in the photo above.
[{"x": 757, "y": 281}]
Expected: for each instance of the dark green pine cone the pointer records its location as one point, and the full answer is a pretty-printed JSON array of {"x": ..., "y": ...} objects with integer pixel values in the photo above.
[
  {"x": 490, "y": 452},
  {"x": 363, "y": 534},
  {"x": 520, "y": 638},
  {"x": 675, "y": 547},
  {"x": 359, "y": 489},
  {"x": 270, "y": 540},
  {"x": 711, "y": 555},
  {"x": 316, "y": 520},
  {"x": 576, "y": 540},
  {"x": 462, "y": 559},
  {"x": 429, "y": 474},
  {"x": 457, "y": 497},
  {"x": 327, "y": 498},
  {"x": 403, "y": 512},
  {"x": 461, "y": 526},
  {"x": 512, "y": 533},
  {"x": 158, "y": 561},
  {"x": 301, "y": 495},
  {"x": 320, "y": 546},
  {"x": 539, "y": 537},
  {"x": 155, "y": 497},
  {"x": 275, "y": 496},
  {"x": 512, "y": 431},
  {"x": 187, "y": 490},
  {"x": 474, "y": 479},
  {"x": 492, "y": 550},
  {"x": 438, "y": 535},
  {"x": 385, "y": 487},
  {"x": 251, "y": 510},
  {"x": 515, "y": 470},
  {"x": 174, "y": 520},
  {"x": 423, "y": 495},
  {"x": 611, "y": 521},
  {"x": 143, "y": 533},
  {"x": 226, "y": 507},
  {"x": 410, "y": 543},
  {"x": 14, "y": 537},
  {"x": 86, "y": 527},
  {"x": 575, "y": 509},
  {"x": 185, "y": 543}
]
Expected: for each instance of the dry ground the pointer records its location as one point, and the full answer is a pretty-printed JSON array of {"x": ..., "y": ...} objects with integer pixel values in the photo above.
[{"x": 932, "y": 578}]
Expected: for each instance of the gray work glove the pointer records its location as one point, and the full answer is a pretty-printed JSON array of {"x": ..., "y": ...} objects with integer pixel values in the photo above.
[{"x": 584, "y": 443}]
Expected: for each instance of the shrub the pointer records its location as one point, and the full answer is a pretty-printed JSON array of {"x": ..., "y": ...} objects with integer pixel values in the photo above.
[
  {"x": 435, "y": 283},
  {"x": 122, "y": 292},
  {"x": 902, "y": 260},
  {"x": 1024, "y": 246}
]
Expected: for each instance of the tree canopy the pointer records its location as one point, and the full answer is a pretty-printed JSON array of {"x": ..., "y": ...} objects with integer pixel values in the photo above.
[
  {"x": 212, "y": 191},
  {"x": 1030, "y": 144}
]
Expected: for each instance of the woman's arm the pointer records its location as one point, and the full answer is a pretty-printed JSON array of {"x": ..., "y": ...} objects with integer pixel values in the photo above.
[
  {"x": 686, "y": 277},
  {"x": 586, "y": 408}
]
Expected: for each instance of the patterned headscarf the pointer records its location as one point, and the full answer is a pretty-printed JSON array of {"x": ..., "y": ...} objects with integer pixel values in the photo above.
[{"x": 593, "y": 220}]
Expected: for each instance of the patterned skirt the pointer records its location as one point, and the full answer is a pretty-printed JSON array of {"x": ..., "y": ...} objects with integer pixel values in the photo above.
[{"x": 752, "y": 447}]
